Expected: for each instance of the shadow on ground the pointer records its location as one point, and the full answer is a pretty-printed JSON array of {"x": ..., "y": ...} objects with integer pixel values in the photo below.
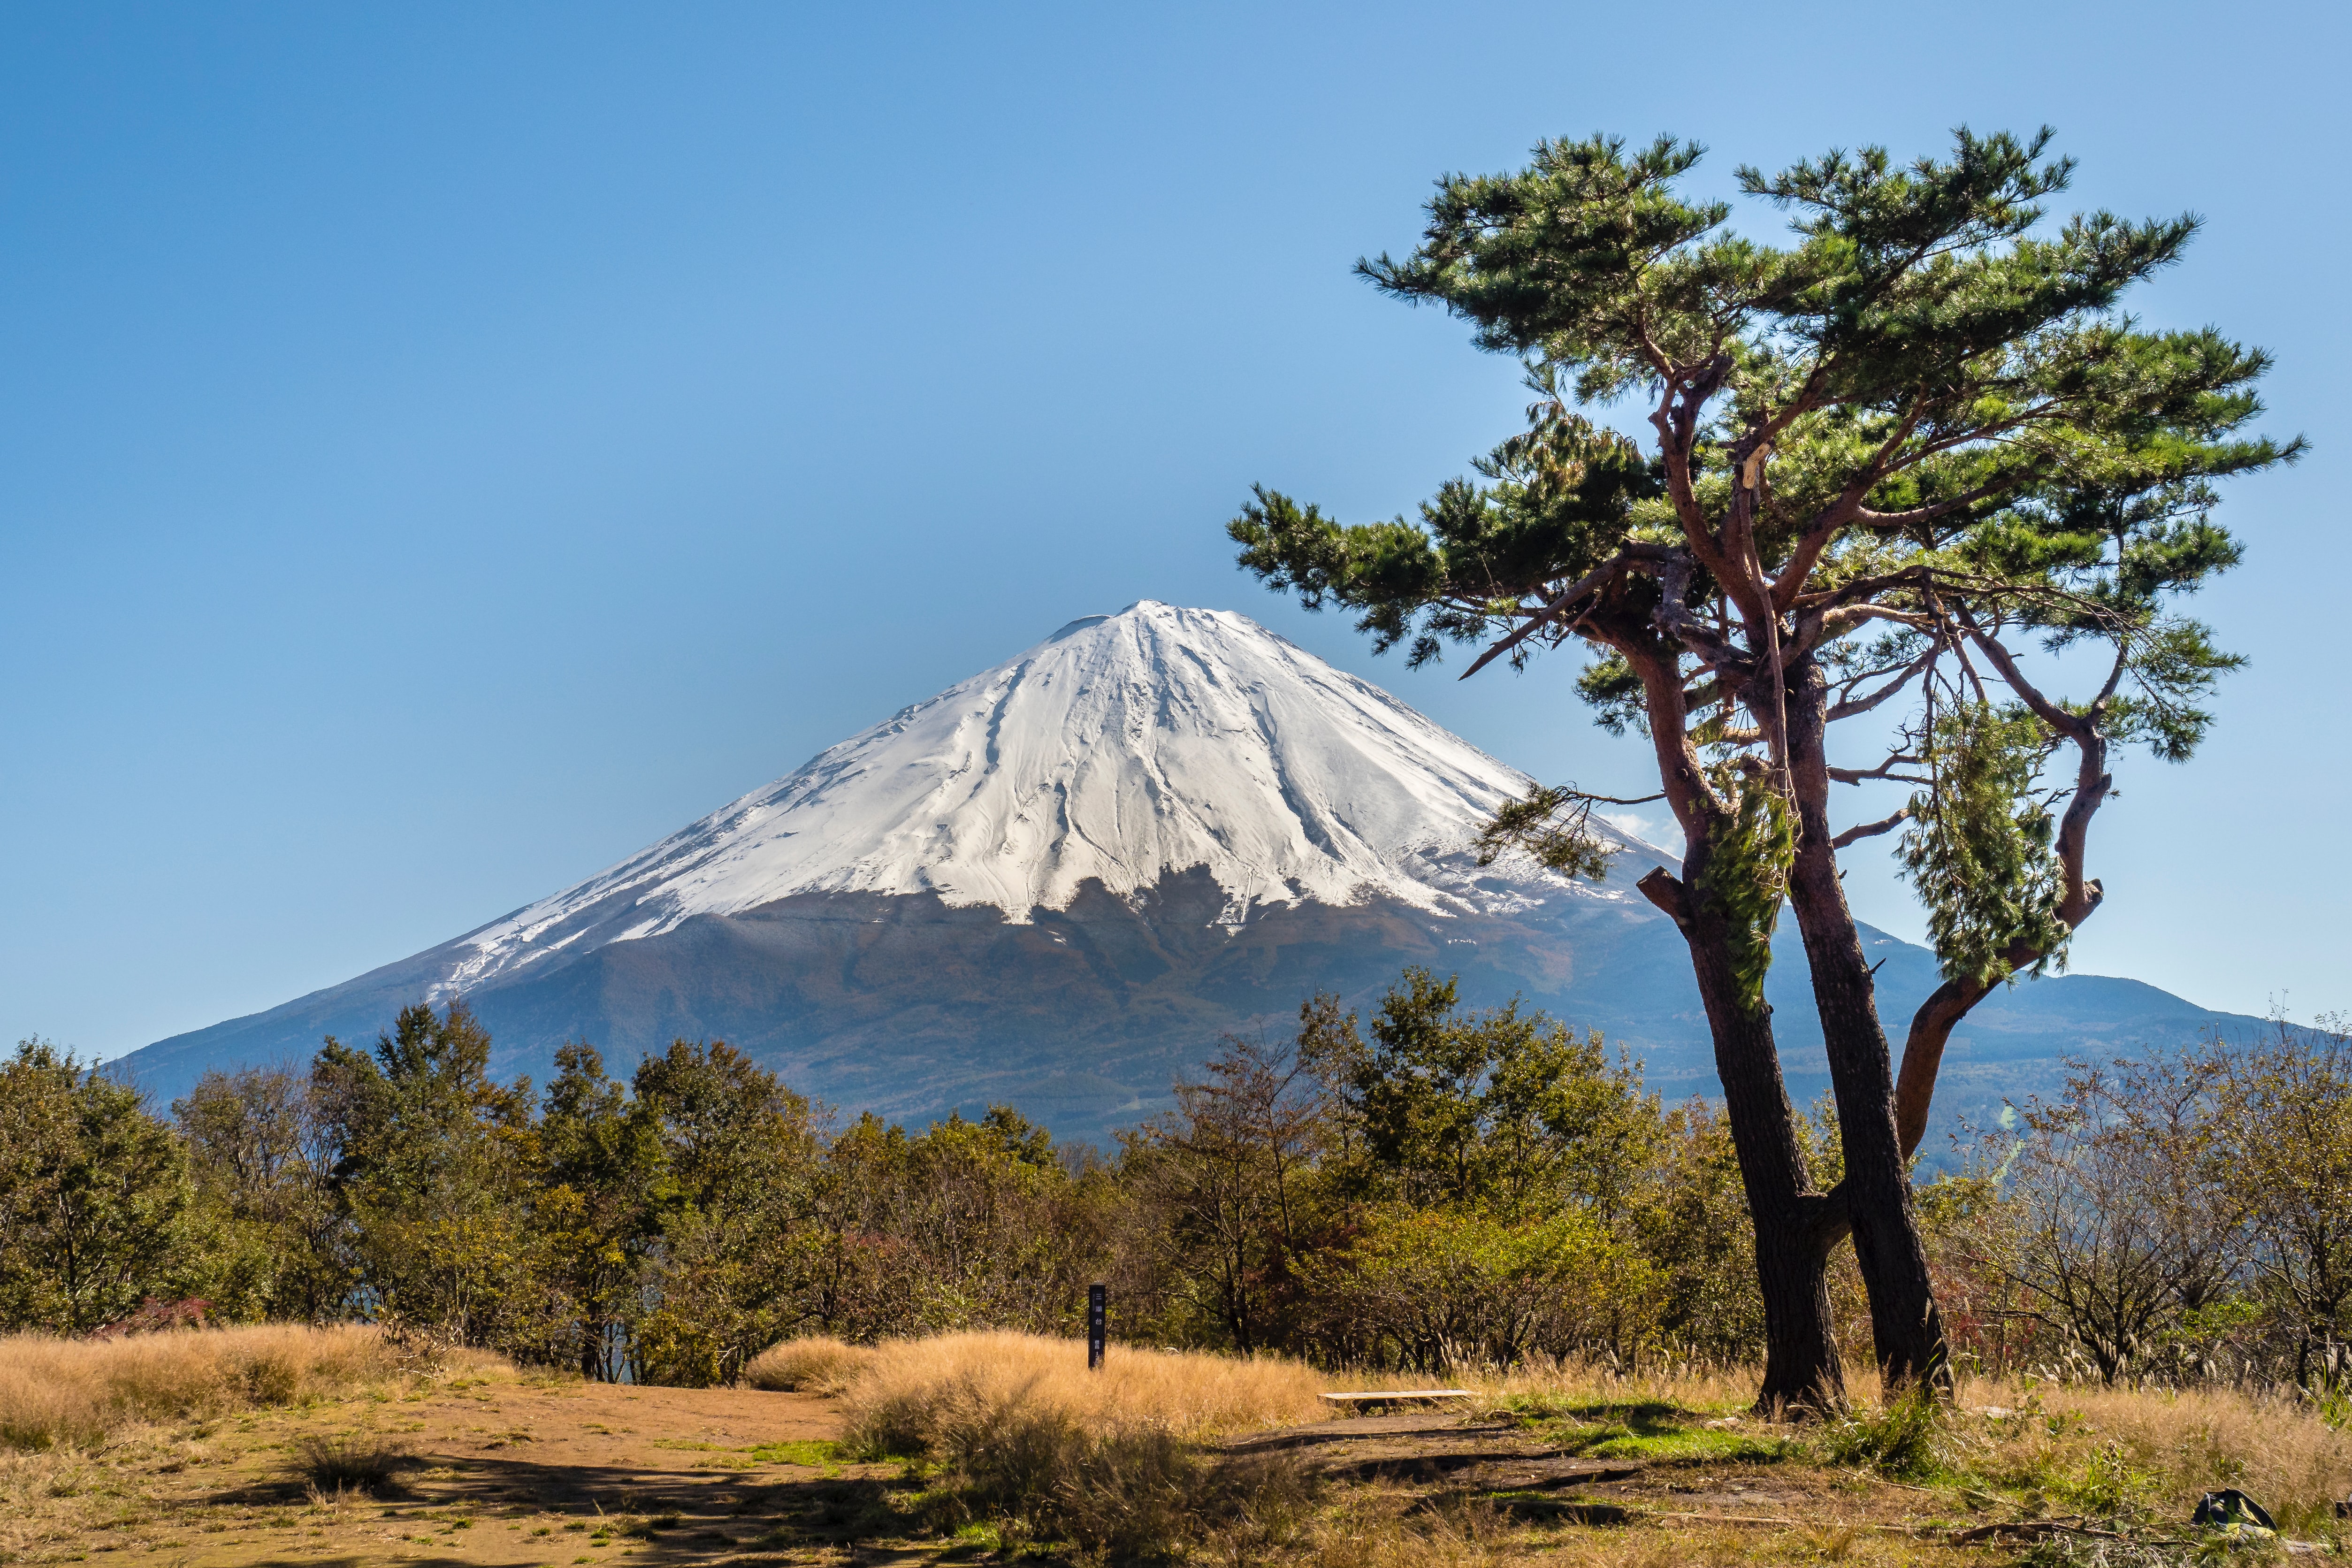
[{"x": 574, "y": 1513}]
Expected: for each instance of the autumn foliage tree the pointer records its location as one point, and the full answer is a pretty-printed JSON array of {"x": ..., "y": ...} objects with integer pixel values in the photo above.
[{"x": 1883, "y": 463}]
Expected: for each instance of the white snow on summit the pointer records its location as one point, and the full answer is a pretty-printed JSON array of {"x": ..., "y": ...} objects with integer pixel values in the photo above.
[{"x": 1120, "y": 748}]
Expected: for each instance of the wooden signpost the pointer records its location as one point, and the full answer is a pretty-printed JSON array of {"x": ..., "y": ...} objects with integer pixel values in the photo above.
[{"x": 1098, "y": 1322}]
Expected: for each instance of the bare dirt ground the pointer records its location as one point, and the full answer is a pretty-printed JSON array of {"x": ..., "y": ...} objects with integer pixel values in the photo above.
[
  {"x": 557, "y": 1472},
  {"x": 494, "y": 1473},
  {"x": 1438, "y": 1459}
]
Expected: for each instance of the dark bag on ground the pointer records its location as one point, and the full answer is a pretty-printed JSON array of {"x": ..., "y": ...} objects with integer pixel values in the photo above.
[{"x": 2230, "y": 1507}]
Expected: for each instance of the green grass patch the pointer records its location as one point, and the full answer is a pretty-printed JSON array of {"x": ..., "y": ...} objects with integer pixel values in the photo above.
[
  {"x": 1646, "y": 1431},
  {"x": 1904, "y": 1440},
  {"x": 812, "y": 1453},
  {"x": 977, "y": 1538},
  {"x": 1540, "y": 1407},
  {"x": 1687, "y": 1445}
]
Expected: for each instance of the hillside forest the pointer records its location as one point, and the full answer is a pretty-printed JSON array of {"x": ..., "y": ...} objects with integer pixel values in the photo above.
[{"x": 1428, "y": 1188}]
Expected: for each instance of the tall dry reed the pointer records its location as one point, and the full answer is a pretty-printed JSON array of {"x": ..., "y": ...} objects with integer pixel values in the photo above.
[
  {"x": 915, "y": 1388},
  {"x": 2160, "y": 1448},
  {"x": 2126, "y": 1452},
  {"x": 1707, "y": 1388},
  {"x": 1015, "y": 1429},
  {"x": 813, "y": 1363},
  {"x": 55, "y": 1393}
]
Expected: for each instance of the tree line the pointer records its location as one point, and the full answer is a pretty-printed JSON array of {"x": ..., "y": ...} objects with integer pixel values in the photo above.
[{"x": 1425, "y": 1187}]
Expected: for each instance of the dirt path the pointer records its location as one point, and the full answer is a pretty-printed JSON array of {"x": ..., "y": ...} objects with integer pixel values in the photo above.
[
  {"x": 501, "y": 1473},
  {"x": 498, "y": 1473},
  {"x": 1514, "y": 1468}
]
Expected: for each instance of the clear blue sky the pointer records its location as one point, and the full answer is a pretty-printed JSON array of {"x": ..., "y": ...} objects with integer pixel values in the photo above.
[{"x": 444, "y": 448}]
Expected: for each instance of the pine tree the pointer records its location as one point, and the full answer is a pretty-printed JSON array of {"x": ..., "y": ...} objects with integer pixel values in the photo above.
[
  {"x": 434, "y": 1169},
  {"x": 1880, "y": 458},
  {"x": 596, "y": 1208}
]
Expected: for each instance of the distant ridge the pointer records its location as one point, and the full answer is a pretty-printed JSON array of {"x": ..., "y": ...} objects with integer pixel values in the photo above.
[{"x": 1058, "y": 883}]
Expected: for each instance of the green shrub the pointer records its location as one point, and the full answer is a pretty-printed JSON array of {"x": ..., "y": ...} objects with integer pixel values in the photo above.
[{"x": 1901, "y": 1440}]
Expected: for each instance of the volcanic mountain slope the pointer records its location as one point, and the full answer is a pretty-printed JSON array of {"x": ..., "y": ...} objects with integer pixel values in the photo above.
[{"x": 1056, "y": 883}]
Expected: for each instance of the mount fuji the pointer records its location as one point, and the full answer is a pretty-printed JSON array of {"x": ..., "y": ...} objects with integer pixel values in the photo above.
[{"x": 1056, "y": 883}]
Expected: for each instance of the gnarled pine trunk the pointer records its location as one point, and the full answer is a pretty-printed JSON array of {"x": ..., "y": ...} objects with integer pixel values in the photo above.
[
  {"x": 1802, "y": 1365},
  {"x": 1904, "y": 1324}
]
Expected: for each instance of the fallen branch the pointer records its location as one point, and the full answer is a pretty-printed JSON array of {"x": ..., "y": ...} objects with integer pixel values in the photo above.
[
  {"x": 2037, "y": 1529},
  {"x": 1787, "y": 1524}
]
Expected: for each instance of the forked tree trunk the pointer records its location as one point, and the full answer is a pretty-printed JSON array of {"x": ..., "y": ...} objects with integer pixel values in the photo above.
[
  {"x": 1802, "y": 1366},
  {"x": 1904, "y": 1324}
]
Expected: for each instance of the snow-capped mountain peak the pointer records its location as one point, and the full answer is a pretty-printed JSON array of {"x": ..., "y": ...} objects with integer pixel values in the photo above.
[{"x": 1120, "y": 749}]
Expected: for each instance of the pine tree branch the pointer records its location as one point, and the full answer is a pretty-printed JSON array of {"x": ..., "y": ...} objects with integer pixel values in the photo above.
[
  {"x": 1883, "y": 770},
  {"x": 1836, "y": 623},
  {"x": 1825, "y": 524},
  {"x": 1665, "y": 890},
  {"x": 1676, "y": 421},
  {"x": 1912, "y": 517},
  {"x": 1855, "y": 834},
  {"x": 1590, "y": 583},
  {"x": 2049, "y": 712},
  {"x": 1692, "y": 800},
  {"x": 1853, "y": 707},
  {"x": 1674, "y": 617}
]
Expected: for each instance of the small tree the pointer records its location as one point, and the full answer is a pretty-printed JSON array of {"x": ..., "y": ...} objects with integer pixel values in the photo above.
[
  {"x": 595, "y": 1210},
  {"x": 433, "y": 1171},
  {"x": 1693, "y": 1228},
  {"x": 2283, "y": 1130},
  {"x": 1441, "y": 1289},
  {"x": 2114, "y": 1227},
  {"x": 94, "y": 1196},
  {"x": 739, "y": 1158},
  {"x": 263, "y": 1172},
  {"x": 1499, "y": 1108},
  {"x": 1879, "y": 459},
  {"x": 1230, "y": 1176}
]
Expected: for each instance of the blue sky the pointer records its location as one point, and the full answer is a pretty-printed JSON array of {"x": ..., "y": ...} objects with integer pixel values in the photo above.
[{"x": 444, "y": 448}]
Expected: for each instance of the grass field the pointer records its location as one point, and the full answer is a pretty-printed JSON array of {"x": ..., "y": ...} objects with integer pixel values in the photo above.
[{"x": 985, "y": 1447}]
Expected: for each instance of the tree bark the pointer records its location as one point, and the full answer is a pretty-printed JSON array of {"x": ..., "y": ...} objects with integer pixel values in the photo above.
[
  {"x": 1905, "y": 1327},
  {"x": 1803, "y": 1369}
]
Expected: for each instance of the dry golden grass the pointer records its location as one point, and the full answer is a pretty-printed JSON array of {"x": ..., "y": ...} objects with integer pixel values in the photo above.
[
  {"x": 1014, "y": 1429},
  {"x": 1019, "y": 1438},
  {"x": 55, "y": 1501},
  {"x": 816, "y": 1363},
  {"x": 915, "y": 1388},
  {"x": 56, "y": 1393},
  {"x": 2123, "y": 1454},
  {"x": 2072, "y": 1447},
  {"x": 1371, "y": 1527},
  {"x": 2114, "y": 1452},
  {"x": 2158, "y": 1448},
  {"x": 34, "y": 1489},
  {"x": 1705, "y": 1388}
]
